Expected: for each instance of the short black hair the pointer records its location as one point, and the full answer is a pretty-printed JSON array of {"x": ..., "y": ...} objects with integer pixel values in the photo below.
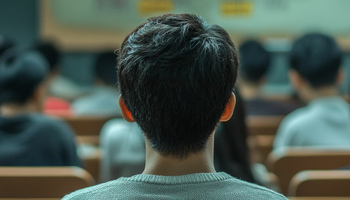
[
  {"x": 106, "y": 67},
  {"x": 254, "y": 61},
  {"x": 21, "y": 72},
  {"x": 176, "y": 74},
  {"x": 51, "y": 53},
  {"x": 317, "y": 58}
]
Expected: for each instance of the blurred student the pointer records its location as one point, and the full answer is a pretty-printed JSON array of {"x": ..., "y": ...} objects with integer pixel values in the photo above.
[
  {"x": 176, "y": 75},
  {"x": 102, "y": 101},
  {"x": 123, "y": 147},
  {"x": 28, "y": 138},
  {"x": 231, "y": 153},
  {"x": 255, "y": 62},
  {"x": 53, "y": 105},
  {"x": 315, "y": 73}
]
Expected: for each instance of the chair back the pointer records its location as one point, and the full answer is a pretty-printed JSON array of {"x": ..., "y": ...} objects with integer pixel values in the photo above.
[
  {"x": 263, "y": 125},
  {"x": 42, "y": 182},
  {"x": 87, "y": 126},
  {"x": 320, "y": 183},
  {"x": 286, "y": 162}
]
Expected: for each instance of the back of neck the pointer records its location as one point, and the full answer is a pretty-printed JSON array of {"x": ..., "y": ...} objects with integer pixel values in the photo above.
[{"x": 157, "y": 164}]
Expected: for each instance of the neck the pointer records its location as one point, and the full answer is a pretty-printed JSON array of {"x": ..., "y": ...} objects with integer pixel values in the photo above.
[
  {"x": 12, "y": 109},
  {"x": 201, "y": 162},
  {"x": 327, "y": 91}
]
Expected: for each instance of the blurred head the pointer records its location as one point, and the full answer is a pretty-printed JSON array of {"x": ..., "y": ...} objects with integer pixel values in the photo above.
[
  {"x": 255, "y": 61},
  {"x": 176, "y": 75},
  {"x": 316, "y": 58},
  {"x": 105, "y": 68},
  {"x": 21, "y": 73},
  {"x": 52, "y": 55}
]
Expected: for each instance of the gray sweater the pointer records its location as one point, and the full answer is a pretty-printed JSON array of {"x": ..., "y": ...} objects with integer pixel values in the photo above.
[{"x": 191, "y": 186}]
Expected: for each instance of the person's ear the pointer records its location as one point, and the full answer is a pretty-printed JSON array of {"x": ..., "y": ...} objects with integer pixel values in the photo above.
[
  {"x": 125, "y": 111},
  {"x": 295, "y": 79},
  {"x": 230, "y": 106}
]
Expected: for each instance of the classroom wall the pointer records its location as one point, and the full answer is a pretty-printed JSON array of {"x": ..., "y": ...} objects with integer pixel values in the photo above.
[{"x": 19, "y": 20}]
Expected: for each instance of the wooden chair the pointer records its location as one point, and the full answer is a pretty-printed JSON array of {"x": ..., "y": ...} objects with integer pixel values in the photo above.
[
  {"x": 42, "y": 182},
  {"x": 88, "y": 139},
  {"x": 261, "y": 146},
  {"x": 92, "y": 164},
  {"x": 320, "y": 183},
  {"x": 286, "y": 162},
  {"x": 87, "y": 126},
  {"x": 263, "y": 125}
]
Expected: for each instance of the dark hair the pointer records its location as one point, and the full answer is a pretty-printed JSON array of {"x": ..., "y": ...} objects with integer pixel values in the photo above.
[
  {"x": 254, "y": 61},
  {"x": 20, "y": 74},
  {"x": 51, "y": 53},
  {"x": 231, "y": 153},
  {"x": 316, "y": 58},
  {"x": 105, "y": 68},
  {"x": 176, "y": 74}
]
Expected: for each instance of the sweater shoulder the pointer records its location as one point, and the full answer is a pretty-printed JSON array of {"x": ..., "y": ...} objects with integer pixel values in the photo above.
[{"x": 230, "y": 188}]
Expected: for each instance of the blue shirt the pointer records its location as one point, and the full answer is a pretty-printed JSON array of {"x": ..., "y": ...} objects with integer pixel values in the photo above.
[{"x": 324, "y": 122}]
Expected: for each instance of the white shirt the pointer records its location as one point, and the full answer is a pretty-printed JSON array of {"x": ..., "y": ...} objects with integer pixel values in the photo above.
[
  {"x": 103, "y": 102},
  {"x": 123, "y": 150}
]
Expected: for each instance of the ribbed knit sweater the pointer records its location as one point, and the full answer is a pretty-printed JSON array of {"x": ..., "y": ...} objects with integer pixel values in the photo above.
[{"x": 191, "y": 186}]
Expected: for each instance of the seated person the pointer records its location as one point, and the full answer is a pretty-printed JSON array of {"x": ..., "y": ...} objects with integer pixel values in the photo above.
[
  {"x": 102, "y": 101},
  {"x": 28, "y": 138},
  {"x": 255, "y": 62},
  {"x": 123, "y": 147},
  {"x": 231, "y": 147},
  {"x": 315, "y": 74},
  {"x": 232, "y": 153},
  {"x": 176, "y": 74},
  {"x": 53, "y": 105}
]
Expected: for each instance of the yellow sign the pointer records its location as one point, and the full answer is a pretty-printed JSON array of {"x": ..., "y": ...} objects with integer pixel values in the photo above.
[
  {"x": 236, "y": 8},
  {"x": 155, "y": 6}
]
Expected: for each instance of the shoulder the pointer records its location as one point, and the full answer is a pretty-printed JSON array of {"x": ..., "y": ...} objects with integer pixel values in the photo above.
[
  {"x": 51, "y": 125},
  {"x": 242, "y": 188},
  {"x": 100, "y": 191},
  {"x": 297, "y": 118}
]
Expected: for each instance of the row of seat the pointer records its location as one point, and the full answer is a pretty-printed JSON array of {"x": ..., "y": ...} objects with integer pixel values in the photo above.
[
  {"x": 42, "y": 182},
  {"x": 287, "y": 163}
]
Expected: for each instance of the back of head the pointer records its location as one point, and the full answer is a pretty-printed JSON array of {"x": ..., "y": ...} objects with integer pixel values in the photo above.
[
  {"x": 105, "y": 68},
  {"x": 20, "y": 74},
  {"x": 51, "y": 53},
  {"x": 316, "y": 58},
  {"x": 176, "y": 74},
  {"x": 255, "y": 61}
]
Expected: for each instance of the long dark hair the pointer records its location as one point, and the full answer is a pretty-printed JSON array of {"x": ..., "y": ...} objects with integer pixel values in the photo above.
[{"x": 231, "y": 148}]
